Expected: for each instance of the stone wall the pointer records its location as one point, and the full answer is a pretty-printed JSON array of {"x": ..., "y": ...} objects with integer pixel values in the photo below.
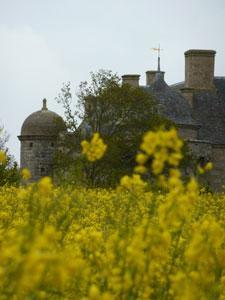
[
  {"x": 201, "y": 153},
  {"x": 205, "y": 152},
  {"x": 188, "y": 133},
  {"x": 201, "y": 149},
  {"x": 217, "y": 175},
  {"x": 37, "y": 155}
]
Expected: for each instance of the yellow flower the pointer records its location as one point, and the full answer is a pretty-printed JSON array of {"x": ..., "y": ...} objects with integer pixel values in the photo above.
[
  {"x": 94, "y": 292},
  {"x": 141, "y": 158},
  {"x": 201, "y": 170},
  {"x": 3, "y": 157},
  {"x": 100, "y": 244},
  {"x": 140, "y": 169},
  {"x": 208, "y": 166},
  {"x": 163, "y": 147},
  {"x": 95, "y": 149},
  {"x": 45, "y": 185},
  {"x": 133, "y": 184},
  {"x": 26, "y": 175}
]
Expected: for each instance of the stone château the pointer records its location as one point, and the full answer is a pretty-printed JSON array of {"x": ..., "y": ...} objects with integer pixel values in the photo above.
[{"x": 196, "y": 105}]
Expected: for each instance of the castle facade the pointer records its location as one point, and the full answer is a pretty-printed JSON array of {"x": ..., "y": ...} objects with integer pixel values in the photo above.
[{"x": 196, "y": 105}]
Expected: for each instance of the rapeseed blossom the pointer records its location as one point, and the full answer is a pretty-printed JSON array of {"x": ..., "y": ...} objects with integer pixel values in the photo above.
[
  {"x": 3, "y": 157},
  {"x": 133, "y": 184},
  {"x": 127, "y": 243},
  {"x": 95, "y": 149},
  {"x": 164, "y": 147},
  {"x": 25, "y": 173},
  {"x": 207, "y": 167},
  {"x": 45, "y": 185}
]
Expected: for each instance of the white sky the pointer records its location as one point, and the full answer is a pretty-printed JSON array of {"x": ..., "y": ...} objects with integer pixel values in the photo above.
[{"x": 44, "y": 43}]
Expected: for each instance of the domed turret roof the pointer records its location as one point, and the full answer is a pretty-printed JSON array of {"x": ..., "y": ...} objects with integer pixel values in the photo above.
[{"x": 43, "y": 123}]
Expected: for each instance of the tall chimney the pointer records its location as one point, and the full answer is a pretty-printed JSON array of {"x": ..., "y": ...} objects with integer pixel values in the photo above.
[
  {"x": 151, "y": 76},
  {"x": 199, "y": 69},
  {"x": 131, "y": 79}
]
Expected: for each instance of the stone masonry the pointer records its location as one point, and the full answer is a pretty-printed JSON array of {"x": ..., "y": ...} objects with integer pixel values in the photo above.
[{"x": 196, "y": 105}]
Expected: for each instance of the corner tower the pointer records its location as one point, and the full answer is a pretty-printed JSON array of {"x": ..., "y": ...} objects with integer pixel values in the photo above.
[{"x": 39, "y": 134}]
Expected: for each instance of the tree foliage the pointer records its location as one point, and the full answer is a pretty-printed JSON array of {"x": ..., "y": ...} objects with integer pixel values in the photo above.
[
  {"x": 119, "y": 113},
  {"x": 9, "y": 172}
]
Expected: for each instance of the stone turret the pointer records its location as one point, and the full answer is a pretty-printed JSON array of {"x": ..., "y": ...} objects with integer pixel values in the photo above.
[{"x": 38, "y": 139}]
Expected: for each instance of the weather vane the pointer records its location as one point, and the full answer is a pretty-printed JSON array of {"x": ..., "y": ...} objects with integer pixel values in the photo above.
[{"x": 158, "y": 50}]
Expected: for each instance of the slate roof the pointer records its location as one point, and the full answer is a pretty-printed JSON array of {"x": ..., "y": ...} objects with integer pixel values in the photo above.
[
  {"x": 209, "y": 111},
  {"x": 219, "y": 83},
  {"x": 171, "y": 102}
]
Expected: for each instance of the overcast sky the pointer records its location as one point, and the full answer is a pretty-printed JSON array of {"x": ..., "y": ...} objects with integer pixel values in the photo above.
[{"x": 44, "y": 43}]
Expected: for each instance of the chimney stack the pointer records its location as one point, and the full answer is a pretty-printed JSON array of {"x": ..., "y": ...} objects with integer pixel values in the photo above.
[
  {"x": 131, "y": 79},
  {"x": 151, "y": 76},
  {"x": 199, "y": 69}
]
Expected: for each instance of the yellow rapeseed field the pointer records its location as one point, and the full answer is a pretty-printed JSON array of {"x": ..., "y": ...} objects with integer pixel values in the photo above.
[{"x": 127, "y": 243}]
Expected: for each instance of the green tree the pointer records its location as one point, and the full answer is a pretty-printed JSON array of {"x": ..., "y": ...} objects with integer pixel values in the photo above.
[
  {"x": 120, "y": 113},
  {"x": 9, "y": 172}
]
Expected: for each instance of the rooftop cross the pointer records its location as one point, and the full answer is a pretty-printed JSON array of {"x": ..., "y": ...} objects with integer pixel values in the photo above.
[{"x": 158, "y": 50}]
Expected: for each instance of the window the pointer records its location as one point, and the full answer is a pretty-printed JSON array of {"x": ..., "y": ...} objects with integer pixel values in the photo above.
[
  {"x": 42, "y": 170},
  {"x": 52, "y": 144},
  {"x": 31, "y": 145}
]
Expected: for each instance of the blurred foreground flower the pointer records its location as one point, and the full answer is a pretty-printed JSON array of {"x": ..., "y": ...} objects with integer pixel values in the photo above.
[
  {"x": 133, "y": 184},
  {"x": 45, "y": 185},
  {"x": 95, "y": 149},
  {"x": 206, "y": 168},
  {"x": 26, "y": 175},
  {"x": 163, "y": 147},
  {"x": 3, "y": 156},
  {"x": 64, "y": 242}
]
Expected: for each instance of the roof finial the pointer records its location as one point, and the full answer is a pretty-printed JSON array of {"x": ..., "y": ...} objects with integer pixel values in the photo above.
[
  {"x": 44, "y": 107},
  {"x": 158, "y": 50}
]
